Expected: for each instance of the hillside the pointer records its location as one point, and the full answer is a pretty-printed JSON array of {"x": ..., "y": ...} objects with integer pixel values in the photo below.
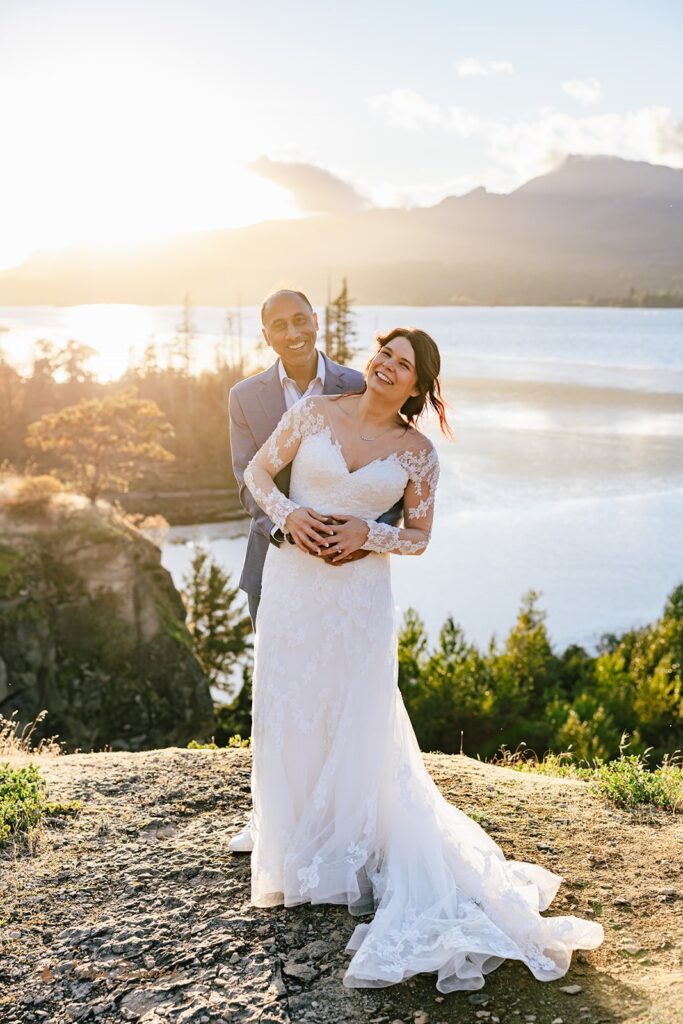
[
  {"x": 596, "y": 226},
  {"x": 136, "y": 910},
  {"x": 92, "y": 628}
]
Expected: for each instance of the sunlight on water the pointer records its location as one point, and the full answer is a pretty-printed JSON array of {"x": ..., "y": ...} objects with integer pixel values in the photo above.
[
  {"x": 566, "y": 475},
  {"x": 109, "y": 329},
  {"x": 624, "y": 348},
  {"x": 119, "y": 334}
]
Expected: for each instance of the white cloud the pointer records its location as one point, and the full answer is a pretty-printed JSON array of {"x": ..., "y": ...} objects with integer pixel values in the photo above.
[
  {"x": 532, "y": 147},
  {"x": 471, "y": 67},
  {"x": 585, "y": 90},
  {"x": 523, "y": 149},
  {"x": 315, "y": 189},
  {"x": 406, "y": 109},
  {"x": 464, "y": 122}
]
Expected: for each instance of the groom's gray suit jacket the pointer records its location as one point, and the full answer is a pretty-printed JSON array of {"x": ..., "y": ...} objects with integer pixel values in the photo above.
[{"x": 256, "y": 406}]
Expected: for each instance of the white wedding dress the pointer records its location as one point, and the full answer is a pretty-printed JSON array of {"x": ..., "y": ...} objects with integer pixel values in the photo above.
[{"x": 344, "y": 810}]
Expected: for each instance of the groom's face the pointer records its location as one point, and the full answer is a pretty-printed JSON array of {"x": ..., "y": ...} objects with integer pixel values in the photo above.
[{"x": 290, "y": 328}]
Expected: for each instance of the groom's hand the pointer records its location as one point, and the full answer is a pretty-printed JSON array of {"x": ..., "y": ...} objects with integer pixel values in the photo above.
[
  {"x": 329, "y": 555},
  {"x": 309, "y": 530},
  {"x": 346, "y": 540}
]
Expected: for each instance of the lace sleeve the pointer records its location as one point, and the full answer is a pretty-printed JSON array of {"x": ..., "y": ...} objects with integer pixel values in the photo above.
[
  {"x": 418, "y": 504},
  {"x": 279, "y": 450}
]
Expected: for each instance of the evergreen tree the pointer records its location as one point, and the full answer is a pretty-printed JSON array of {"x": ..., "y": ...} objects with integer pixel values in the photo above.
[
  {"x": 72, "y": 359},
  {"x": 149, "y": 364},
  {"x": 220, "y": 630},
  {"x": 182, "y": 343},
  {"x": 234, "y": 719},
  {"x": 340, "y": 332}
]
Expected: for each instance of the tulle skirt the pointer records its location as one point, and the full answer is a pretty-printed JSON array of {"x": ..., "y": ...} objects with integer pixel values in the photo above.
[{"x": 345, "y": 812}]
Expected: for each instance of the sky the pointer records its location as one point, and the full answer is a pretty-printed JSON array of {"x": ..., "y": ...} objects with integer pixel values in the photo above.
[{"x": 125, "y": 120}]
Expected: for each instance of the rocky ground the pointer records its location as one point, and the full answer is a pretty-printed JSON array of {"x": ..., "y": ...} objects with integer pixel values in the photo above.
[{"x": 136, "y": 910}]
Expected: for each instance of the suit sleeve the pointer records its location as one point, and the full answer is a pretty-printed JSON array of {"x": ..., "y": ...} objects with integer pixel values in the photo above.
[
  {"x": 243, "y": 447},
  {"x": 394, "y": 515}
]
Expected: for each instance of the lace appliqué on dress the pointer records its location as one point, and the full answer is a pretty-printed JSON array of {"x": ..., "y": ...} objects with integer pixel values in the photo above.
[
  {"x": 298, "y": 422},
  {"x": 422, "y": 468},
  {"x": 309, "y": 876},
  {"x": 345, "y": 810},
  {"x": 386, "y": 539},
  {"x": 276, "y": 506}
]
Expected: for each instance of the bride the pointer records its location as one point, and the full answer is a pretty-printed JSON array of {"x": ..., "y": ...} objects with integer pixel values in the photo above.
[{"x": 344, "y": 810}]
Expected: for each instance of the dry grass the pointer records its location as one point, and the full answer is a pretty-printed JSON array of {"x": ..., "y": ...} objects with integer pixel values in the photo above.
[{"x": 15, "y": 739}]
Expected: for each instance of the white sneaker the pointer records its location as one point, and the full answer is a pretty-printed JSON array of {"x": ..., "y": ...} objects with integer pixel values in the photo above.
[{"x": 242, "y": 842}]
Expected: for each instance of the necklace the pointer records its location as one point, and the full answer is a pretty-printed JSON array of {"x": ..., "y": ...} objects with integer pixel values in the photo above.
[
  {"x": 364, "y": 438},
  {"x": 381, "y": 434}
]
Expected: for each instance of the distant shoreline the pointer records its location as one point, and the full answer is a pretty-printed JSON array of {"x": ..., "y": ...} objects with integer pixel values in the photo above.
[{"x": 666, "y": 302}]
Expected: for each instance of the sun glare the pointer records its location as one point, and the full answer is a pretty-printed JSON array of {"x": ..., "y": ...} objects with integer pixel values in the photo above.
[{"x": 111, "y": 158}]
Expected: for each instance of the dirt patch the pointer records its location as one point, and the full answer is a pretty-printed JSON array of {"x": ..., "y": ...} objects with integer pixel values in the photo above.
[{"x": 136, "y": 910}]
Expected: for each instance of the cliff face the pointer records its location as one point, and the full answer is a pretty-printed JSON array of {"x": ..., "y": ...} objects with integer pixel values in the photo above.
[{"x": 93, "y": 630}]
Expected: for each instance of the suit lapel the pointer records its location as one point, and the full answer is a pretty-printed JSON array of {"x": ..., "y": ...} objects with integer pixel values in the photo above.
[
  {"x": 336, "y": 381},
  {"x": 272, "y": 401},
  {"x": 271, "y": 397}
]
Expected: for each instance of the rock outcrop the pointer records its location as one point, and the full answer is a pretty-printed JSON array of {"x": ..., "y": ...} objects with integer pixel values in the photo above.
[{"x": 93, "y": 629}]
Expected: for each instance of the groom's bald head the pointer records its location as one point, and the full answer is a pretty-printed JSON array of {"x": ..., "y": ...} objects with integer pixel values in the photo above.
[{"x": 277, "y": 294}]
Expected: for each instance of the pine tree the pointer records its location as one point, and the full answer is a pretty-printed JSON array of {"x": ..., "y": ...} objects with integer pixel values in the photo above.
[
  {"x": 149, "y": 364},
  {"x": 220, "y": 630},
  {"x": 182, "y": 343},
  {"x": 340, "y": 332}
]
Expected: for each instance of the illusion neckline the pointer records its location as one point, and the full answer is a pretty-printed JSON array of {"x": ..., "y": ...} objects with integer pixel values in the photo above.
[{"x": 338, "y": 448}]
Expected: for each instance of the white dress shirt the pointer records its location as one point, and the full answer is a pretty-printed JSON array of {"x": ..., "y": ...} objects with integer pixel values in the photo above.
[
  {"x": 293, "y": 395},
  {"x": 291, "y": 389}
]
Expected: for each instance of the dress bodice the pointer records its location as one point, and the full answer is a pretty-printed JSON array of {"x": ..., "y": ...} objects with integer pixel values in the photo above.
[{"x": 322, "y": 480}]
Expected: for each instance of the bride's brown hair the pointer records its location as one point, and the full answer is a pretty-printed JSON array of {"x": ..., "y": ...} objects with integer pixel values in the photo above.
[{"x": 427, "y": 368}]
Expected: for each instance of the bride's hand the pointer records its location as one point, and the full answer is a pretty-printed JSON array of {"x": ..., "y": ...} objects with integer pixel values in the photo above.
[
  {"x": 308, "y": 529},
  {"x": 349, "y": 534}
]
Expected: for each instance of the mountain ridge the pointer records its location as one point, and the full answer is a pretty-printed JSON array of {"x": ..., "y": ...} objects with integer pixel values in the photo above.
[{"x": 596, "y": 226}]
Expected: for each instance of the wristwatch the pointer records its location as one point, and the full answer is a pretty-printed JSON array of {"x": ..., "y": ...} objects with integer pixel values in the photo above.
[{"x": 276, "y": 536}]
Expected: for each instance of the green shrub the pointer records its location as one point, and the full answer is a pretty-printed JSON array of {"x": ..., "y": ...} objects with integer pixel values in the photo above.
[
  {"x": 233, "y": 741},
  {"x": 237, "y": 741},
  {"x": 461, "y": 697},
  {"x": 629, "y": 782},
  {"x": 22, "y": 799}
]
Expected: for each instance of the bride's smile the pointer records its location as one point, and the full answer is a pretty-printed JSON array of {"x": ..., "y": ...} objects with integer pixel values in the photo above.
[{"x": 393, "y": 366}]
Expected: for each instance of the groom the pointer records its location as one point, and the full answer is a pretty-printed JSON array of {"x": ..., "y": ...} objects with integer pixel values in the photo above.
[{"x": 290, "y": 328}]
